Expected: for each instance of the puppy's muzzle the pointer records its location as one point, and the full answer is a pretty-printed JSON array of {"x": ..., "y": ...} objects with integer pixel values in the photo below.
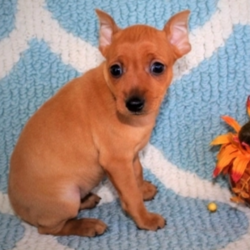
[{"x": 135, "y": 104}]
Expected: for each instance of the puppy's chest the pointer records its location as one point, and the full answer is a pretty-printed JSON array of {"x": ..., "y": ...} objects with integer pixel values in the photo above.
[{"x": 122, "y": 140}]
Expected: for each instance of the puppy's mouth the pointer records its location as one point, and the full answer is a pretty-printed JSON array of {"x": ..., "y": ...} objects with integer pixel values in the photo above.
[{"x": 138, "y": 113}]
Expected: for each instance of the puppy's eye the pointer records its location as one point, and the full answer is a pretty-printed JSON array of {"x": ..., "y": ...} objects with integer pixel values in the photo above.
[
  {"x": 116, "y": 70},
  {"x": 157, "y": 68}
]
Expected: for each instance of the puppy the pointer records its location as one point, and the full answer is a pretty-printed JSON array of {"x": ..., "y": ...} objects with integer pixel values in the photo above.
[{"x": 95, "y": 126}]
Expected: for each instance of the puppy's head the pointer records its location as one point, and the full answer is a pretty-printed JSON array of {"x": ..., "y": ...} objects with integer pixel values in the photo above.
[{"x": 139, "y": 61}]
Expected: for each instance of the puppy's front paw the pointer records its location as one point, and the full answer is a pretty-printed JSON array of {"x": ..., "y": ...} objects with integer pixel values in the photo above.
[
  {"x": 152, "y": 222},
  {"x": 148, "y": 191}
]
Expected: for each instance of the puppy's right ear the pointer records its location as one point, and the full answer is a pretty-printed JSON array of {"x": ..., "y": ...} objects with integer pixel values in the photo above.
[{"x": 108, "y": 28}]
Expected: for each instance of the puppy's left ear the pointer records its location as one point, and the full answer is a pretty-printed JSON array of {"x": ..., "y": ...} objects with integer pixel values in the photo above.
[
  {"x": 177, "y": 32},
  {"x": 107, "y": 29}
]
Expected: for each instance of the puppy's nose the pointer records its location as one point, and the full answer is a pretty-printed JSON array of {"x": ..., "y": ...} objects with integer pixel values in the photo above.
[{"x": 135, "y": 104}]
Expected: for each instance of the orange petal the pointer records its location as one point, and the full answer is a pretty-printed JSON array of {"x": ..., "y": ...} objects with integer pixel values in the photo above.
[
  {"x": 221, "y": 139},
  {"x": 239, "y": 167},
  {"x": 226, "y": 150},
  {"x": 232, "y": 122},
  {"x": 236, "y": 190},
  {"x": 244, "y": 195},
  {"x": 217, "y": 171},
  {"x": 248, "y": 105},
  {"x": 226, "y": 170},
  {"x": 224, "y": 161},
  {"x": 237, "y": 199}
]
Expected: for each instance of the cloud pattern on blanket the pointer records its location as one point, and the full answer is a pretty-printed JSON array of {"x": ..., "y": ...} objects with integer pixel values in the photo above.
[{"x": 189, "y": 118}]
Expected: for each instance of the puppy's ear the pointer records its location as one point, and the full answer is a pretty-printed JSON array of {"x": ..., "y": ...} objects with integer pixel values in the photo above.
[
  {"x": 107, "y": 29},
  {"x": 177, "y": 32}
]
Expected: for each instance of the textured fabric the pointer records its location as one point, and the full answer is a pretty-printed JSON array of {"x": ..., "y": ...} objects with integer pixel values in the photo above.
[{"x": 45, "y": 43}]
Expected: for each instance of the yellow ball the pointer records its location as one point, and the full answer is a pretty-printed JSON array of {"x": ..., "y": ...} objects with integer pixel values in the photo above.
[{"x": 212, "y": 207}]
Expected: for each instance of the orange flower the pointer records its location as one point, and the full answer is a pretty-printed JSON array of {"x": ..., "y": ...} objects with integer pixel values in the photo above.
[
  {"x": 248, "y": 106},
  {"x": 234, "y": 156}
]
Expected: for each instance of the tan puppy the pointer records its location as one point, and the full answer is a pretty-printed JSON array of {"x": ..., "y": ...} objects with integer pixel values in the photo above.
[{"x": 95, "y": 126}]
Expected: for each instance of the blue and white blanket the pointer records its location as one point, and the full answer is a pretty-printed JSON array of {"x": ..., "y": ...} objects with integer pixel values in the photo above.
[{"x": 45, "y": 43}]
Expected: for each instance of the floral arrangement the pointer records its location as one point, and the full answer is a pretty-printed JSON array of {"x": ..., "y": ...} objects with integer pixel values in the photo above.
[{"x": 233, "y": 158}]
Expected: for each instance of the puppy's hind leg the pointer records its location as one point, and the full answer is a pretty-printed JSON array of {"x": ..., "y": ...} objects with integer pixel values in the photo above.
[
  {"x": 89, "y": 201},
  {"x": 81, "y": 227},
  {"x": 59, "y": 219}
]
